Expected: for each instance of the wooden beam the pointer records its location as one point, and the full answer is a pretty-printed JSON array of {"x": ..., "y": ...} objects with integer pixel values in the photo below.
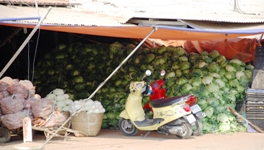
[
  {"x": 156, "y": 22},
  {"x": 10, "y": 36}
]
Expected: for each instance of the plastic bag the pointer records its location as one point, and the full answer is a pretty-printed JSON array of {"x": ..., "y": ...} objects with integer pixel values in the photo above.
[
  {"x": 242, "y": 49},
  {"x": 42, "y": 107},
  {"x": 12, "y": 104},
  {"x": 14, "y": 121}
]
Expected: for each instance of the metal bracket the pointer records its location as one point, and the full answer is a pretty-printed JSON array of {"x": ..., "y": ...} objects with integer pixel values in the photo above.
[{"x": 146, "y": 134}]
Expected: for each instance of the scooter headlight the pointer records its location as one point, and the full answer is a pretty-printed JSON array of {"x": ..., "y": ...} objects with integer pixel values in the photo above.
[{"x": 139, "y": 85}]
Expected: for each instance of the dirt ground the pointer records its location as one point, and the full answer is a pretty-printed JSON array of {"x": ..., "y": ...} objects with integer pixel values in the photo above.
[{"x": 115, "y": 140}]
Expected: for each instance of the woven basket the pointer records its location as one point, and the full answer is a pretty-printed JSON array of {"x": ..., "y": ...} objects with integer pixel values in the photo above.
[{"x": 87, "y": 124}]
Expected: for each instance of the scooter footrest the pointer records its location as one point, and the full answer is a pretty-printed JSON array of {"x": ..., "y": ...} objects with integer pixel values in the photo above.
[
  {"x": 157, "y": 120},
  {"x": 144, "y": 123}
]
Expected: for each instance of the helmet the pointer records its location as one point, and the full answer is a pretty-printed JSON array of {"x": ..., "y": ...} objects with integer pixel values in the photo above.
[{"x": 147, "y": 90}]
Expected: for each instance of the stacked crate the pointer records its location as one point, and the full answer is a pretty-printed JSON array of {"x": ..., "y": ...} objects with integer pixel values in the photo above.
[
  {"x": 258, "y": 72},
  {"x": 255, "y": 107},
  {"x": 259, "y": 57},
  {"x": 255, "y": 94}
]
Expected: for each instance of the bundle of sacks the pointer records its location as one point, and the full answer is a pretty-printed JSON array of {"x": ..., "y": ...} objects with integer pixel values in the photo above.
[{"x": 18, "y": 100}]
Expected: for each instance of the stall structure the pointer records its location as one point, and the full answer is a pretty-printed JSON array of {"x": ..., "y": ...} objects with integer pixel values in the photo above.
[
  {"x": 101, "y": 24},
  {"x": 184, "y": 21}
]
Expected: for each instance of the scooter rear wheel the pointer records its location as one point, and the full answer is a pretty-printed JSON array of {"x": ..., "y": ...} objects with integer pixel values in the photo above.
[
  {"x": 198, "y": 128},
  {"x": 187, "y": 130},
  {"x": 127, "y": 127}
]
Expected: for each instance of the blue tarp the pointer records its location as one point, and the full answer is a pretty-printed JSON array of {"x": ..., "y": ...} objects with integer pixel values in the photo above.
[
  {"x": 23, "y": 18},
  {"x": 237, "y": 31}
]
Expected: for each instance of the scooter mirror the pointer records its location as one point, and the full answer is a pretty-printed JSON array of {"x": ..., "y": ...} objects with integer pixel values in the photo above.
[
  {"x": 163, "y": 72},
  {"x": 148, "y": 72}
]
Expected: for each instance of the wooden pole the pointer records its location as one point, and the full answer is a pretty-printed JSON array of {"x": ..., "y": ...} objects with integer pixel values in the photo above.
[{"x": 240, "y": 116}]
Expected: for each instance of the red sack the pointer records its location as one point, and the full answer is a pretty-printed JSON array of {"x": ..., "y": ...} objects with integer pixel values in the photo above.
[
  {"x": 3, "y": 94},
  {"x": 12, "y": 104},
  {"x": 28, "y": 84},
  {"x": 42, "y": 107},
  {"x": 5, "y": 82},
  {"x": 1, "y": 113},
  {"x": 18, "y": 88},
  {"x": 3, "y": 85},
  {"x": 56, "y": 119},
  {"x": 14, "y": 121}
]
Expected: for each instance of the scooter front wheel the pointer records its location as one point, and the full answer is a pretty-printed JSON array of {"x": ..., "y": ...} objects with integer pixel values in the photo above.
[{"x": 127, "y": 127}]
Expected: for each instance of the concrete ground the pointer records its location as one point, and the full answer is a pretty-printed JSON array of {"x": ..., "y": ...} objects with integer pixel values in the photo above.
[{"x": 115, "y": 140}]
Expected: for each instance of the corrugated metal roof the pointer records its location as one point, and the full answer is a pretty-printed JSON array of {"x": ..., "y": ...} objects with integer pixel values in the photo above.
[
  {"x": 118, "y": 12},
  {"x": 239, "y": 11},
  {"x": 64, "y": 16},
  {"x": 12, "y": 13}
]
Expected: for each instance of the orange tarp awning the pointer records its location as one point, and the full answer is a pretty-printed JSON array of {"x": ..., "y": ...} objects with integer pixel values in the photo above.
[
  {"x": 135, "y": 32},
  {"x": 194, "y": 40}
]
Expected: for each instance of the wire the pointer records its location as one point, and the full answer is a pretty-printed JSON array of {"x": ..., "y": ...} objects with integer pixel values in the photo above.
[
  {"x": 238, "y": 8},
  {"x": 260, "y": 38},
  {"x": 28, "y": 59},
  {"x": 36, "y": 4},
  {"x": 34, "y": 59},
  {"x": 35, "y": 54}
]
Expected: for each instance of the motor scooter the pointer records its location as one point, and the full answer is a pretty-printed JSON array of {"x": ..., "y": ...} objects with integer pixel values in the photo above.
[
  {"x": 159, "y": 93},
  {"x": 170, "y": 116}
]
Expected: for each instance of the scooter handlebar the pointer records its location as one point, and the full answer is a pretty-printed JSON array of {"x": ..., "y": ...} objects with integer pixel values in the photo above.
[{"x": 147, "y": 80}]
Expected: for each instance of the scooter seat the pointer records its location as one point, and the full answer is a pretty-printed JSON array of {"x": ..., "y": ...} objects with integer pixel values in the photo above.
[{"x": 166, "y": 101}]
